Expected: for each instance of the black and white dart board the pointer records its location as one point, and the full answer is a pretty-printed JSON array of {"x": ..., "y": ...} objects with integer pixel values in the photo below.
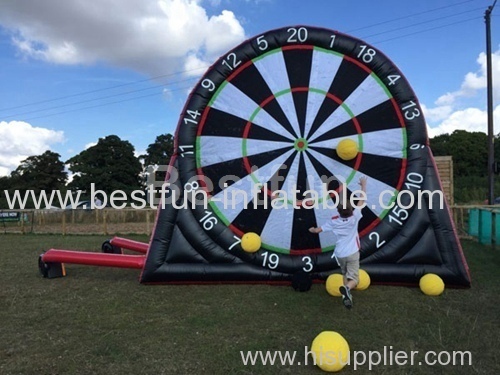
[{"x": 258, "y": 137}]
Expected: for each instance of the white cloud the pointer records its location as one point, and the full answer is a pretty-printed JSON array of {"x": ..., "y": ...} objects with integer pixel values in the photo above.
[
  {"x": 194, "y": 65},
  {"x": 470, "y": 119},
  {"x": 90, "y": 144},
  {"x": 438, "y": 113},
  {"x": 451, "y": 114},
  {"x": 445, "y": 100},
  {"x": 4, "y": 171},
  {"x": 19, "y": 140},
  {"x": 151, "y": 36},
  {"x": 223, "y": 32},
  {"x": 475, "y": 81}
]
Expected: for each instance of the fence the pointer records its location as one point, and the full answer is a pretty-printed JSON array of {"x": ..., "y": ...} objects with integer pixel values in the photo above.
[
  {"x": 444, "y": 166},
  {"x": 106, "y": 221},
  {"x": 130, "y": 221},
  {"x": 484, "y": 224}
]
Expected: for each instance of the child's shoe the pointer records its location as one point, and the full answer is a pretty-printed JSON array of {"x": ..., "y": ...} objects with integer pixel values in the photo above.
[{"x": 346, "y": 296}]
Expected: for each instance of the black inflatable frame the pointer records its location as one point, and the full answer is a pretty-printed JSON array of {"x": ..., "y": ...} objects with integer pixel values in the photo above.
[
  {"x": 394, "y": 249},
  {"x": 182, "y": 251}
]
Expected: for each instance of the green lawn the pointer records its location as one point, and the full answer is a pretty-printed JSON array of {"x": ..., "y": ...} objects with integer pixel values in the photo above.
[{"x": 102, "y": 321}]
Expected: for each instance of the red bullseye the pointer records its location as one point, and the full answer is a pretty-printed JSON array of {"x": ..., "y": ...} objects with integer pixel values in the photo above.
[{"x": 300, "y": 144}]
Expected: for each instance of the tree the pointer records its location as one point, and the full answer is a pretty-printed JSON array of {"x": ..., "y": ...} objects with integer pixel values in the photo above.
[
  {"x": 40, "y": 172},
  {"x": 4, "y": 183},
  {"x": 496, "y": 146},
  {"x": 111, "y": 165},
  {"x": 470, "y": 163},
  {"x": 468, "y": 149},
  {"x": 159, "y": 153},
  {"x": 440, "y": 145}
]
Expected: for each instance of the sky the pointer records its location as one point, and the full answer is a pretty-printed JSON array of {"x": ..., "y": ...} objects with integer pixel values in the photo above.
[{"x": 74, "y": 71}]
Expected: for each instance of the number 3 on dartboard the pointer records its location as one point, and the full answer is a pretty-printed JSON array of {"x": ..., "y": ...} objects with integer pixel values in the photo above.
[{"x": 309, "y": 265}]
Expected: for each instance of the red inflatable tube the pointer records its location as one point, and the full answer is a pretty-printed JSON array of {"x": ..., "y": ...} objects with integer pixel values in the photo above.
[
  {"x": 94, "y": 259},
  {"x": 124, "y": 243}
]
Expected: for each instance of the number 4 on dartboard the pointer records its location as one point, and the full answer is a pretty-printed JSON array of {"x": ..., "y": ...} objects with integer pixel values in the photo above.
[{"x": 393, "y": 79}]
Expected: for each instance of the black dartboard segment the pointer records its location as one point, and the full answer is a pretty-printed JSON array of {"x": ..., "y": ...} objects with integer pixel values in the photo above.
[{"x": 258, "y": 136}]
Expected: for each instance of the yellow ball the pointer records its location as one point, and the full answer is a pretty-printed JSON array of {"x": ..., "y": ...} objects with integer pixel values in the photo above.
[
  {"x": 364, "y": 280},
  {"x": 250, "y": 242},
  {"x": 331, "y": 351},
  {"x": 347, "y": 149},
  {"x": 333, "y": 283},
  {"x": 431, "y": 284}
]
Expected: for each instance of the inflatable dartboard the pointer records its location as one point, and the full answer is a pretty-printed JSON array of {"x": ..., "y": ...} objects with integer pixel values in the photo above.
[{"x": 257, "y": 152}]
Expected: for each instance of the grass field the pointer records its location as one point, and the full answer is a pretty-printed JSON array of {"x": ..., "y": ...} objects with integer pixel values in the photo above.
[{"x": 102, "y": 321}]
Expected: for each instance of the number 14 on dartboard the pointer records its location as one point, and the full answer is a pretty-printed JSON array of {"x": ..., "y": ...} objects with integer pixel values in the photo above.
[{"x": 191, "y": 117}]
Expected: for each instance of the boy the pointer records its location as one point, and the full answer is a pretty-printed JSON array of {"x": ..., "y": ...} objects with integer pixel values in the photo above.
[{"x": 345, "y": 227}]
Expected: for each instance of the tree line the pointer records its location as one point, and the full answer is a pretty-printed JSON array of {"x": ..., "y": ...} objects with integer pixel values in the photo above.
[
  {"x": 112, "y": 165},
  {"x": 470, "y": 163}
]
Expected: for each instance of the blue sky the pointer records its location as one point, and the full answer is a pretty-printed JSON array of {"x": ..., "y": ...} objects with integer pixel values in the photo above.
[{"x": 72, "y": 72}]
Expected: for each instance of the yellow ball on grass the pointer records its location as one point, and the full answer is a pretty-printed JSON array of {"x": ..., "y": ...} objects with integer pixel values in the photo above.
[
  {"x": 431, "y": 284},
  {"x": 331, "y": 351},
  {"x": 364, "y": 280},
  {"x": 333, "y": 283},
  {"x": 251, "y": 242},
  {"x": 347, "y": 149}
]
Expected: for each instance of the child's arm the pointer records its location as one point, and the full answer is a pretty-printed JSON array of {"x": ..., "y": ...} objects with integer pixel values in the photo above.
[
  {"x": 362, "y": 183},
  {"x": 315, "y": 230}
]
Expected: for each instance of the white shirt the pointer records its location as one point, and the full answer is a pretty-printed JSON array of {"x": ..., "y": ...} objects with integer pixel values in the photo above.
[{"x": 346, "y": 231}]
